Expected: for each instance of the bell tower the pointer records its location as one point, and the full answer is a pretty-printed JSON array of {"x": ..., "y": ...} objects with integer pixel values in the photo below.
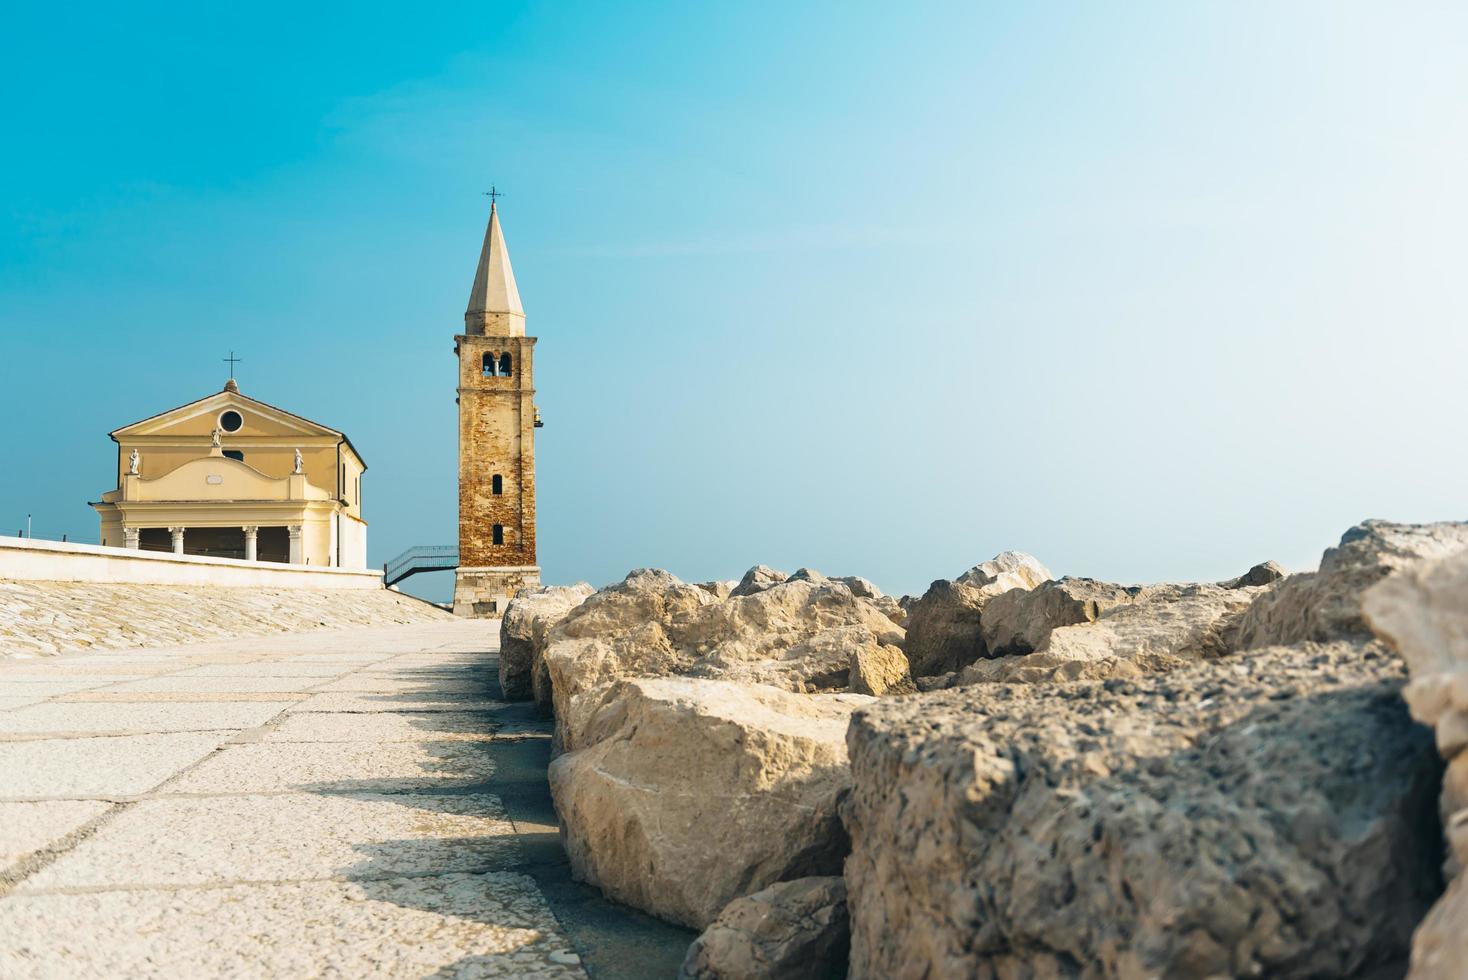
[{"x": 497, "y": 422}]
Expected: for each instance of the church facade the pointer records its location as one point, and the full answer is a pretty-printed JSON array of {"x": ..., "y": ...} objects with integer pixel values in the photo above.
[
  {"x": 497, "y": 423},
  {"x": 233, "y": 477}
]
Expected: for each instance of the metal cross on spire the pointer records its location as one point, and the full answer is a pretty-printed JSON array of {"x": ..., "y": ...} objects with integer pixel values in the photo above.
[
  {"x": 492, "y": 193},
  {"x": 232, "y": 362}
]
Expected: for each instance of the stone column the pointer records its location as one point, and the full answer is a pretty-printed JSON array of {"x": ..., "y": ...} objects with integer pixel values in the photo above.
[
  {"x": 177, "y": 533},
  {"x": 297, "y": 552},
  {"x": 251, "y": 543},
  {"x": 130, "y": 538}
]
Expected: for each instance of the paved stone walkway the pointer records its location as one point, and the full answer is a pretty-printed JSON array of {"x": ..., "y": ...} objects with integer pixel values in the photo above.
[{"x": 317, "y": 804}]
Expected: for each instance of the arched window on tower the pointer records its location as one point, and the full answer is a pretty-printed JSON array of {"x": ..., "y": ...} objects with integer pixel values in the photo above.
[
  {"x": 505, "y": 365},
  {"x": 487, "y": 366},
  {"x": 497, "y": 485},
  {"x": 498, "y": 534}
]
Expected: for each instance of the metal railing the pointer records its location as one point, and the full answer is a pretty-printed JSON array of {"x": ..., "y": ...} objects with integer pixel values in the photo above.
[{"x": 423, "y": 558}]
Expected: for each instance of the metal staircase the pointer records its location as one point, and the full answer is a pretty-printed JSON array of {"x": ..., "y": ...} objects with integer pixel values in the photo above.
[{"x": 423, "y": 558}]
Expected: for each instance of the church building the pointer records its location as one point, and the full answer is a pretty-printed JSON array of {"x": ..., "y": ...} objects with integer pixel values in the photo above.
[
  {"x": 497, "y": 423},
  {"x": 233, "y": 477}
]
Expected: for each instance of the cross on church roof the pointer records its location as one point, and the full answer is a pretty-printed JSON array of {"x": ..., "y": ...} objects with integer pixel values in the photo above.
[
  {"x": 492, "y": 193},
  {"x": 232, "y": 362}
]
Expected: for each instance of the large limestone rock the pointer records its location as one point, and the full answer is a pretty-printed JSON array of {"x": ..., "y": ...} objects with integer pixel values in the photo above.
[
  {"x": 797, "y": 634},
  {"x": 1165, "y": 627},
  {"x": 1006, "y": 570},
  {"x": 1440, "y": 945},
  {"x": 757, "y": 579},
  {"x": 1256, "y": 816},
  {"x": 1326, "y": 605},
  {"x": 794, "y": 930},
  {"x": 523, "y": 629},
  {"x": 943, "y": 627},
  {"x": 880, "y": 670},
  {"x": 1422, "y": 611},
  {"x": 692, "y": 793},
  {"x": 1264, "y": 573},
  {"x": 943, "y": 632},
  {"x": 1020, "y": 620}
]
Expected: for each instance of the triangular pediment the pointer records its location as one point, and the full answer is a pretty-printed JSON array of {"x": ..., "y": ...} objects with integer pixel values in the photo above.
[{"x": 200, "y": 418}]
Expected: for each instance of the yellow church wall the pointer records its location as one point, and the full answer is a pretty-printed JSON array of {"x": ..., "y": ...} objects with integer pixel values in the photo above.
[
  {"x": 183, "y": 483},
  {"x": 274, "y": 457}
]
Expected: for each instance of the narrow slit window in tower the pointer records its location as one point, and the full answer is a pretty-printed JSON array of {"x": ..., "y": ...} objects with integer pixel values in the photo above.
[
  {"x": 499, "y": 534},
  {"x": 505, "y": 365},
  {"x": 497, "y": 485}
]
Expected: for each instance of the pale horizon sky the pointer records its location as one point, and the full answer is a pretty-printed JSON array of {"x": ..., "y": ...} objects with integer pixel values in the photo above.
[{"x": 1152, "y": 291}]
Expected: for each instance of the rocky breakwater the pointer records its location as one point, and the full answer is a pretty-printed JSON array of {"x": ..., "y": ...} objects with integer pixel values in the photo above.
[
  {"x": 1238, "y": 792},
  {"x": 702, "y": 731},
  {"x": 1249, "y": 818},
  {"x": 523, "y": 630},
  {"x": 1037, "y": 776},
  {"x": 1422, "y": 611}
]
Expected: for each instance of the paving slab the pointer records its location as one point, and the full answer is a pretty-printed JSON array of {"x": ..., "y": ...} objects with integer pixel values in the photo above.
[
  {"x": 8, "y": 701},
  {"x": 189, "y": 684},
  {"x": 265, "y": 767},
  {"x": 34, "y": 688},
  {"x": 369, "y": 702},
  {"x": 112, "y": 766},
  {"x": 289, "y": 837},
  {"x": 348, "y": 659},
  {"x": 139, "y": 717},
  {"x": 29, "y": 827},
  {"x": 373, "y": 683},
  {"x": 268, "y": 668},
  {"x": 382, "y": 726},
  {"x": 46, "y": 672},
  {"x": 448, "y": 926},
  {"x": 177, "y": 697}
]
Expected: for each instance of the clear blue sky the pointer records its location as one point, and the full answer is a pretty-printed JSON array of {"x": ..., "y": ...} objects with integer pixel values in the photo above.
[{"x": 1151, "y": 290}]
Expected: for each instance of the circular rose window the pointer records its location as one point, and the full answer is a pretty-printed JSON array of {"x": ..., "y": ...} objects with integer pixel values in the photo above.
[{"x": 230, "y": 421}]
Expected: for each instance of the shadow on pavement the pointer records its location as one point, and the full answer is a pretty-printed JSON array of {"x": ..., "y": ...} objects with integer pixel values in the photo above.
[{"x": 613, "y": 941}]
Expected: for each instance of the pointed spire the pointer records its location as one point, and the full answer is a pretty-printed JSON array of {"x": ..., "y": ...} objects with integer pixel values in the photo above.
[{"x": 494, "y": 302}]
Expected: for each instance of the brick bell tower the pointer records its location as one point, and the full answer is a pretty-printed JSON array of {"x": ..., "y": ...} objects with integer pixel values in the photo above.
[{"x": 497, "y": 423}]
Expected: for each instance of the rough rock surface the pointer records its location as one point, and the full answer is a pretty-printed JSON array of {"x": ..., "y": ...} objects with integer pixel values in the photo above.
[
  {"x": 757, "y": 579},
  {"x": 1422, "y": 611},
  {"x": 692, "y": 793},
  {"x": 1259, "y": 816},
  {"x": 1006, "y": 570},
  {"x": 1020, "y": 620},
  {"x": 39, "y": 619},
  {"x": 719, "y": 589},
  {"x": 1264, "y": 573},
  {"x": 880, "y": 670},
  {"x": 1166, "y": 627},
  {"x": 1326, "y": 605},
  {"x": 1440, "y": 945},
  {"x": 528, "y": 618},
  {"x": 794, "y": 930},
  {"x": 943, "y": 627},
  {"x": 943, "y": 632},
  {"x": 798, "y": 635}
]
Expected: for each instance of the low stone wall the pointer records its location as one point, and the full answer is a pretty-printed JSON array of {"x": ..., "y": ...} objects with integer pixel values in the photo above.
[
  {"x": 45, "y": 618},
  {"x": 29, "y": 560}
]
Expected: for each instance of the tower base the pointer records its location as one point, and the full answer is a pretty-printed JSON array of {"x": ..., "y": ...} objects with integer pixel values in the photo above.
[{"x": 484, "y": 593}]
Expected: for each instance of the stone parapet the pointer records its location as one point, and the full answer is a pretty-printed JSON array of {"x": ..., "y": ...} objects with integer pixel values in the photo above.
[{"x": 30, "y": 560}]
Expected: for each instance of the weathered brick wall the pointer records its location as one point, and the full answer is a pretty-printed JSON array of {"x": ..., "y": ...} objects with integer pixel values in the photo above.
[
  {"x": 496, "y": 436},
  {"x": 44, "y": 618}
]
